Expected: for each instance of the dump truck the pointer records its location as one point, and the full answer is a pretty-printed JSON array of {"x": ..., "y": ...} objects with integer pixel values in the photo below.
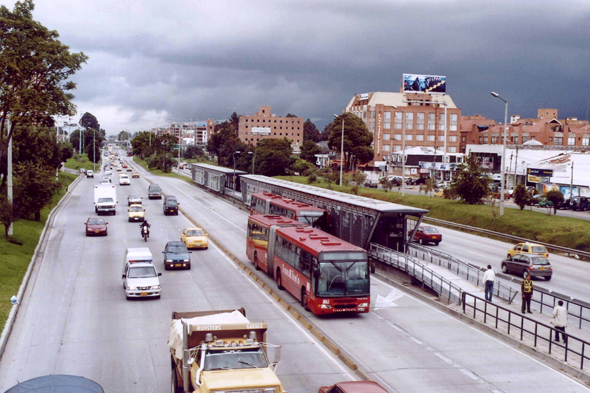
[{"x": 221, "y": 351}]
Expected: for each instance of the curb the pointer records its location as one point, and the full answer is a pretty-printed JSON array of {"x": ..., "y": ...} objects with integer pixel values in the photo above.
[
  {"x": 546, "y": 359},
  {"x": 42, "y": 243}
]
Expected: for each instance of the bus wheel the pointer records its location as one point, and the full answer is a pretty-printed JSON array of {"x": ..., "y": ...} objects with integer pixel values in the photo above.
[
  {"x": 304, "y": 299},
  {"x": 256, "y": 261},
  {"x": 279, "y": 280}
]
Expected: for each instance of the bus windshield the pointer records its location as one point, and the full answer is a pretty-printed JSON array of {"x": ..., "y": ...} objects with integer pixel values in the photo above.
[
  {"x": 311, "y": 218},
  {"x": 343, "y": 279},
  {"x": 234, "y": 359}
]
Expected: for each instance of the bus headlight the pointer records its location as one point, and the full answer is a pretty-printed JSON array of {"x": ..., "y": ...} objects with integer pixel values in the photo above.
[
  {"x": 325, "y": 306},
  {"x": 365, "y": 305}
]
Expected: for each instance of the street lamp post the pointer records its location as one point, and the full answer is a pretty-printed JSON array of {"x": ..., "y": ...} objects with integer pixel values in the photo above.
[
  {"x": 341, "y": 151},
  {"x": 94, "y": 150},
  {"x": 253, "y": 159},
  {"x": 503, "y": 161},
  {"x": 234, "y": 179}
]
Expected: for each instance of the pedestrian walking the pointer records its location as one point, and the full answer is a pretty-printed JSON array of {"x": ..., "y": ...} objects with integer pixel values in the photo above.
[
  {"x": 527, "y": 293},
  {"x": 560, "y": 321},
  {"x": 488, "y": 278}
]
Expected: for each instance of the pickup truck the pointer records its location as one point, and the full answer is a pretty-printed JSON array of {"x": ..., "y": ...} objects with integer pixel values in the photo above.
[{"x": 221, "y": 351}]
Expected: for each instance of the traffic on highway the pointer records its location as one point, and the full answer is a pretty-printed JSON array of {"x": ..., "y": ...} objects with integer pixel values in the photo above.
[{"x": 213, "y": 300}]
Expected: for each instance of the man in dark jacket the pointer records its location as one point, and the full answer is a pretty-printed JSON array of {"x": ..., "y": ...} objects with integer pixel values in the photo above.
[{"x": 527, "y": 293}]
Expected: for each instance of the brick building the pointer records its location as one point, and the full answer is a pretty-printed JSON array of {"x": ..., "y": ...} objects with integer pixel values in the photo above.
[
  {"x": 265, "y": 125},
  {"x": 409, "y": 120},
  {"x": 545, "y": 128},
  {"x": 197, "y": 132}
]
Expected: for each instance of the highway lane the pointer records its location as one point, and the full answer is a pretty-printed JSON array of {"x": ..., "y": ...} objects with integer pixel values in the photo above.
[
  {"x": 75, "y": 318},
  {"x": 403, "y": 342}
]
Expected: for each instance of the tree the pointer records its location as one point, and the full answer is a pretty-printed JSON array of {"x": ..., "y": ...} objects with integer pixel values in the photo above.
[
  {"x": 193, "y": 151},
  {"x": 290, "y": 115},
  {"x": 326, "y": 132},
  {"x": 7, "y": 213},
  {"x": 357, "y": 139},
  {"x": 521, "y": 196},
  {"x": 310, "y": 132},
  {"x": 555, "y": 197},
  {"x": 39, "y": 145},
  {"x": 123, "y": 136},
  {"x": 34, "y": 79},
  {"x": 234, "y": 120},
  {"x": 301, "y": 166},
  {"x": 94, "y": 152},
  {"x": 89, "y": 121},
  {"x": 165, "y": 144},
  {"x": 386, "y": 183},
  {"x": 428, "y": 186},
  {"x": 472, "y": 184},
  {"x": 223, "y": 132},
  {"x": 273, "y": 157},
  {"x": 143, "y": 144},
  {"x": 227, "y": 150},
  {"x": 308, "y": 151},
  {"x": 359, "y": 178},
  {"x": 34, "y": 186}
]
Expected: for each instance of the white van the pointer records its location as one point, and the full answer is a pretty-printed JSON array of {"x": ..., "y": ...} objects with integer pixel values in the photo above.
[{"x": 140, "y": 277}]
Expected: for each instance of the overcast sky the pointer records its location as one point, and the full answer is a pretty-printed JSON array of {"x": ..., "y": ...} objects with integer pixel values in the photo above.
[{"x": 153, "y": 61}]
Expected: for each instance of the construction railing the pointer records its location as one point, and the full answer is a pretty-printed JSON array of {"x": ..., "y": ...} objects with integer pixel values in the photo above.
[{"x": 572, "y": 350}]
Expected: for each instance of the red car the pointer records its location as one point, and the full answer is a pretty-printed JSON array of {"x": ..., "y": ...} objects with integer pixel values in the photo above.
[
  {"x": 354, "y": 387},
  {"x": 427, "y": 234},
  {"x": 96, "y": 226}
]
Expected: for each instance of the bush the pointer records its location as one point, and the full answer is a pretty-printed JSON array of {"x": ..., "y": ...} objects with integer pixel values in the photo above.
[
  {"x": 312, "y": 178},
  {"x": 521, "y": 196}
]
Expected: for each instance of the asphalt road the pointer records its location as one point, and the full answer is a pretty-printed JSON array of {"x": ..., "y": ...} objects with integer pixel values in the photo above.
[
  {"x": 405, "y": 344},
  {"x": 75, "y": 318}
]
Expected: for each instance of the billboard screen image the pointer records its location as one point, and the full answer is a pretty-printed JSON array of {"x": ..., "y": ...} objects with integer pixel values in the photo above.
[{"x": 425, "y": 83}]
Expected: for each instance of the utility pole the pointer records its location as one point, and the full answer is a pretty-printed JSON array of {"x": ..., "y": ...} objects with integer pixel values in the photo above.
[
  {"x": 572, "y": 180},
  {"x": 94, "y": 150},
  {"x": 515, "y": 166},
  {"x": 510, "y": 166},
  {"x": 403, "y": 152},
  {"x": 9, "y": 179}
]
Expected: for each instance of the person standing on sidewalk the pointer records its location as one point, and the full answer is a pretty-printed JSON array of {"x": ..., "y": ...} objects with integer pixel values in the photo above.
[
  {"x": 560, "y": 321},
  {"x": 527, "y": 293},
  {"x": 488, "y": 279}
]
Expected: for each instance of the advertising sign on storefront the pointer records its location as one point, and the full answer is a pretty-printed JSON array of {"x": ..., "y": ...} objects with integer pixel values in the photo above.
[
  {"x": 424, "y": 83},
  {"x": 535, "y": 175}
]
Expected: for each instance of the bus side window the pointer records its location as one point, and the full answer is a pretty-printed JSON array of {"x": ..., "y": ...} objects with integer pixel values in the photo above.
[{"x": 305, "y": 263}]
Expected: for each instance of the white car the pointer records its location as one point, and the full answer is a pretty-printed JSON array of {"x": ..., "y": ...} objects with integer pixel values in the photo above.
[
  {"x": 124, "y": 180},
  {"x": 140, "y": 279},
  {"x": 105, "y": 180},
  {"x": 90, "y": 173},
  {"x": 108, "y": 173}
]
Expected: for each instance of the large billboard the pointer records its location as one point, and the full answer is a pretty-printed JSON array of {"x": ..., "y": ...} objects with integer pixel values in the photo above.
[
  {"x": 535, "y": 175},
  {"x": 260, "y": 130},
  {"x": 424, "y": 83}
]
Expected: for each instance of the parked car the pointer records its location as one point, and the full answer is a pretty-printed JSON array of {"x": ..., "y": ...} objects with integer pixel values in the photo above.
[
  {"x": 580, "y": 203},
  {"x": 544, "y": 202},
  {"x": 566, "y": 204},
  {"x": 353, "y": 387},
  {"x": 528, "y": 248},
  {"x": 371, "y": 184},
  {"x": 176, "y": 255},
  {"x": 427, "y": 234},
  {"x": 194, "y": 238},
  {"x": 170, "y": 205},
  {"x": 535, "y": 199},
  {"x": 96, "y": 226},
  {"x": 524, "y": 264},
  {"x": 134, "y": 199}
]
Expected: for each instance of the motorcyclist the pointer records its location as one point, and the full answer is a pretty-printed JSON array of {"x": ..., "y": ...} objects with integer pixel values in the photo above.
[{"x": 144, "y": 224}]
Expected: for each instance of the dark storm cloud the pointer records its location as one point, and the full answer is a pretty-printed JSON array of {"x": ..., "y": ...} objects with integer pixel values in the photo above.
[{"x": 182, "y": 60}]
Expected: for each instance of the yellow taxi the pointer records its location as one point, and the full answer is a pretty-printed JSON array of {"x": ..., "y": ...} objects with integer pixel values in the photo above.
[
  {"x": 194, "y": 238},
  {"x": 115, "y": 163},
  {"x": 136, "y": 213},
  {"x": 528, "y": 248},
  {"x": 135, "y": 175}
]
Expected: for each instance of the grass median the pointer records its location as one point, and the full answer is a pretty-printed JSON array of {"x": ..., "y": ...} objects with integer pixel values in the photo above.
[
  {"x": 81, "y": 161},
  {"x": 17, "y": 250},
  {"x": 563, "y": 231},
  {"x": 159, "y": 172}
]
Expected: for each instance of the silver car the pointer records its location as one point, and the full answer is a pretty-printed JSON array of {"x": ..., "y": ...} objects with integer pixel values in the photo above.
[
  {"x": 133, "y": 199},
  {"x": 524, "y": 264}
]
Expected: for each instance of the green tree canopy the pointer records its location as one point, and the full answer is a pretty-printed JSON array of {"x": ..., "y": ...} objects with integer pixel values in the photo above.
[
  {"x": 143, "y": 144},
  {"x": 34, "y": 186},
  {"x": 223, "y": 132},
  {"x": 234, "y": 120},
  {"x": 273, "y": 157},
  {"x": 310, "y": 132},
  {"x": 308, "y": 151},
  {"x": 193, "y": 151},
  {"x": 357, "y": 139},
  {"x": 472, "y": 184},
  {"x": 555, "y": 197},
  {"x": 521, "y": 196},
  {"x": 89, "y": 121},
  {"x": 35, "y": 67}
]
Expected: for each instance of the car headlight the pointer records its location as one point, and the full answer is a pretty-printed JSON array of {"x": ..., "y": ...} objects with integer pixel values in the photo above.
[
  {"x": 131, "y": 288},
  {"x": 168, "y": 260},
  {"x": 156, "y": 287}
]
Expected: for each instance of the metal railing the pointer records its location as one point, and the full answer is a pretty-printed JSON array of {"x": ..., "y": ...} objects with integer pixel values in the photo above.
[
  {"x": 505, "y": 237},
  {"x": 469, "y": 272},
  {"x": 577, "y": 309},
  {"x": 417, "y": 270},
  {"x": 542, "y": 334}
]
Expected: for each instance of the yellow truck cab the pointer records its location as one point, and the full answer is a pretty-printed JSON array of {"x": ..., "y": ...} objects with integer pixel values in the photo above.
[
  {"x": 222, "y": 351},
  {"x": 136, "y": 212}
]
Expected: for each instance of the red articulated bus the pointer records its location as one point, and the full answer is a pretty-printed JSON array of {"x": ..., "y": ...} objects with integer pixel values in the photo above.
[
  {"x": 267, "y": 203},
  {"x": 326, "y": 274}
]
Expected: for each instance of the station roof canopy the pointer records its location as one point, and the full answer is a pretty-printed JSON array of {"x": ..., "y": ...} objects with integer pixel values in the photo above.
[
  {"x": 220, "y": 169},
  {"x": 337, "y": 196}
]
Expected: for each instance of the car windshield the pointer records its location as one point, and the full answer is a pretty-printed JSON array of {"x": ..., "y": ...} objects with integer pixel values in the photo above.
[
  {"x": 343, "y": 279},
  {"x": 142, "y": 272},
  {"x": 177, "y": 249},
  {"x": 95, "y": 221},
  {"x": 195, "y": 232},
  {"x": 102, "y": 200},
  {"x": 171, "y": 202},
  {"x": 133, "y": 196},
  {"x": 135, "y": 209},
  {"x": 154, "y": 188},
  {"x": 540, "y": 261},
  {"x": 235, "y": 359},
  {"x": 430, "y": 230},
  {"x": 539, "y": 249}
]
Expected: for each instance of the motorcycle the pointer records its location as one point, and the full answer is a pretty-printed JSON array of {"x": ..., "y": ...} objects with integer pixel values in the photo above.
[{"x": 145, "y": 232}]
